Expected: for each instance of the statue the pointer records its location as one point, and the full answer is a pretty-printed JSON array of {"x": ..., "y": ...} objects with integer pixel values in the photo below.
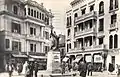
[{"x": 55, "y": 41}]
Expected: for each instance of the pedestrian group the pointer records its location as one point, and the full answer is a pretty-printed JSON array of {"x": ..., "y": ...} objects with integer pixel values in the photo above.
[{"x": 27, "y": 68}]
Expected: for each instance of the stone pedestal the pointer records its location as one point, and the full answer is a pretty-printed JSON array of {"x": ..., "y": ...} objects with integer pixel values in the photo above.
[{"x": 53, "y": 62}]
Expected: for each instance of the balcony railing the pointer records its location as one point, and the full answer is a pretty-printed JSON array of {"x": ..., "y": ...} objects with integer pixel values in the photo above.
[
  {"x": 113, "y": 26},
  {"x": 92, "y": 14},
  {"x": 37, "y": 38},
  {"x": 93, "y": 47},
  {"x": 12, "y": 34},
  {"x": 84, "y": 32}
]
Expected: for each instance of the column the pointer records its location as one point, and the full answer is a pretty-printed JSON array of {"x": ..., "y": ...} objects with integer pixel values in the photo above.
[
  {"x": 77, "y": 28},
  {"x": 27, "y": 10},
  {"x": 42, "y": 32},
  {"x": 84, "y": 27},
  {"x": 77, "y": 44},
  {"x": 93, "y": 24},
  {"x": 42, "y": 47}
]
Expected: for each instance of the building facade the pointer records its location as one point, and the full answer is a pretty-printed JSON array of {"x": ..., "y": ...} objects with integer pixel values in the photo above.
[
  {"x": 92, "y": 31},
  {"x": 25, "y": 28}
]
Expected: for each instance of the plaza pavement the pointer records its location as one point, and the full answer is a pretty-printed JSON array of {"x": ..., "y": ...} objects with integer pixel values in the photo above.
[{"x": 68, "y": 74}]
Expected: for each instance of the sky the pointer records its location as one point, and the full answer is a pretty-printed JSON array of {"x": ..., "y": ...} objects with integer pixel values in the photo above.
[{"x": 58, "y": 8}]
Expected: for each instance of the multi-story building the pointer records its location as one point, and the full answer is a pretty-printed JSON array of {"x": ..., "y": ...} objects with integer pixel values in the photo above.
[
  {"x": 25, "y": 27},
  {"x": 92, "y": 32},
  {"x": 62, "y": 46}
]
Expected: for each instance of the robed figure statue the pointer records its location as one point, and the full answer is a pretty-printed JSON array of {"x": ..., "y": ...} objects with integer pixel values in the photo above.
[{"x": 54, "y": 41}]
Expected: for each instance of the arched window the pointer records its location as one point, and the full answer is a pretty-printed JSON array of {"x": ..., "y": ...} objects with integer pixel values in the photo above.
[
  {"x": 115, "y": 41},
  {"x": 15, "y": 9},
  {"x": 101, "y": 7},
  {"x": 110, "y": 42}
]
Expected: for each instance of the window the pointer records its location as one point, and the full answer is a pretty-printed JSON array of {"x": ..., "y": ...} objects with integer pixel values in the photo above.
[
  {"x": 7, "y": 43},
  {"x": 113, "y": 19},
  {"x": 70, "y": 21},
  {"x": 83, "y": 11},
  {"x": 91, "y": 8},
  {"x": 68, "y": 32},
  {"x": 31, "y": 12},
  {"x": 76, "y": 15},
  {"x": 113, "y": 60},
  {"x": 100, "y": 41},
  {"x": 116, "y": 4},
  {"x": 101, "y": 25},
  {"x": 101, "y": 7},
  {"x": 40, "y": 15},
  {"x": 115, "y": 41},
  {"x": 28, "y": 11},
  {"x": 15, "y": 9},
  {"x": 47, "y": 49},
  {"x": 32, "y": 47},
  {"x": 46, "y": 35},
  {"x": 47, "y": 21},
  {"x": 16, "y": 28},
  {"x": 67, "y": 21},
  {"x": 75, "y": 29},
  {"x": 70, "y": 46},
  {"x": 25, "y": 11},
  {"x": 34, "y": 13},
  {"x": 16, "y": 46},
  {"x": 110, "y": 42},
  {"x": 113, "y": 4},
  {"x": 37, "y": 14},
  {"x": 75, "y": 44},
  {"x": 32, "y": 31},
  {"x": 67, "y": 47}
]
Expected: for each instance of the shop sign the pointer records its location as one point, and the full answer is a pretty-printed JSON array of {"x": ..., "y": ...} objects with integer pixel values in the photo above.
[
  {"x": 88, "y": 58},
  {"x": 98, "y": 59},
  {"x": 57, "y": 57}
]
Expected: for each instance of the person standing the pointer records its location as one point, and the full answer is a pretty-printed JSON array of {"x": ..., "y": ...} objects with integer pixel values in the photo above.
[
  {"x": 20, "y": 67},
  {"x": 31, "y": 69},
  {"x": 90, "y": 68},
  {"x": 36, "y": 68},
  {"x": 10, "y": 69},
  {"x": 27, "y": 74},
  {"x": 82, "y": 68}
]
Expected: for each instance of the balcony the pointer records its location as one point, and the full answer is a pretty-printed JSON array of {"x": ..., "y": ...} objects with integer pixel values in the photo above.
[
  {"x": 113, "y": 26},
  {"x": 85, "y": 32},
  {"x": 91, "y": 48},
  {"x": 98, "y": 47},
  {"x": 35, "y": 38},
  {"x": 12, "y": 34},
  {"x": 91, "y": 15}
]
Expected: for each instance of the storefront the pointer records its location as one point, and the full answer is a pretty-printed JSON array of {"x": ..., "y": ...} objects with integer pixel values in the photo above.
[{"x": 98, "y": 62}]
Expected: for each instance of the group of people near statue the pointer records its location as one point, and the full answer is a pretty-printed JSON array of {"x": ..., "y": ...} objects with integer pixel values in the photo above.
[
  {"x": 83, "y": 67},
  {"x": 27, "y": 68}
]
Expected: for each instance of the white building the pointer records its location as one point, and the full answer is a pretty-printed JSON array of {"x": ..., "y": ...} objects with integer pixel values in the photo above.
[
  {"x": 92, "y": 31},
  {"x": 24, "y": 29}
]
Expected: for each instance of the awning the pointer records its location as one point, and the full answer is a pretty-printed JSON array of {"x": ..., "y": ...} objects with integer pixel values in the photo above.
[
  {"x": 38, "y": 57},
  {"x": 65, "y": 59},
  {"x": 78, "y": 58},
  {"x": 19, "y": 56}
]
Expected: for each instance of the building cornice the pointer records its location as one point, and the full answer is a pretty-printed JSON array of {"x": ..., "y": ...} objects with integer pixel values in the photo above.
[
  {"x": 39, "y": 6},
  {"x": 74, "y": 2}
]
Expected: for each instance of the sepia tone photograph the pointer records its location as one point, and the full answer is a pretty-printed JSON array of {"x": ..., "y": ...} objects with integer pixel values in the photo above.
[{"x": 59, "y": 38}]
